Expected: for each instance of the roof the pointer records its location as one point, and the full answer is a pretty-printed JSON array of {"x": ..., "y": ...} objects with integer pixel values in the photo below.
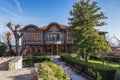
[
  {"x": 43, "y": 28},
  {"x": 103, "y": 32}
]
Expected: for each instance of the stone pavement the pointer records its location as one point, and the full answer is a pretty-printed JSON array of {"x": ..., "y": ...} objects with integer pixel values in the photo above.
[
  {"x": 73, "y": 75},
  {"x": 4, "y": 66},
  {"x": 21, "y": 74}
]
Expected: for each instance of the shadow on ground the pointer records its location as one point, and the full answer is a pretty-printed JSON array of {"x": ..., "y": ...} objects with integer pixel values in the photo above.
[{"x": 22, "y": 77}]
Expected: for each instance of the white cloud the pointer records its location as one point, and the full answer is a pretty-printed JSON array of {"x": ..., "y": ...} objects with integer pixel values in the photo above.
[
  {"x": 18, "y": 5},
  {"x": 9, "y": 12}
]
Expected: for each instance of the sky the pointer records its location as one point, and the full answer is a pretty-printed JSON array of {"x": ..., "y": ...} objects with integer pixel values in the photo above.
[{"x": 43, "y": 12}]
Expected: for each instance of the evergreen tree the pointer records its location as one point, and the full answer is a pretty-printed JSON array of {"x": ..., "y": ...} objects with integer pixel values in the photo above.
[
  {"x": 3, "y": 48},
  {"x": 86, "y": 16}
]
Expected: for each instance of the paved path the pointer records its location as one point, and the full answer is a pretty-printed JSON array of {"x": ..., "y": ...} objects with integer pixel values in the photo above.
[
  {"x": 4, "y": 66},
  {"x": 73, "y": 75},
  {"x": 21, "y": 74}
]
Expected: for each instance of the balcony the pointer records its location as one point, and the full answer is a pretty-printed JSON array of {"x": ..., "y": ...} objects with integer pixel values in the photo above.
[
  {"x": 70, "y": 42},
  {"x": 31, "y": 42},
  {"x": 54, "y": 42}
]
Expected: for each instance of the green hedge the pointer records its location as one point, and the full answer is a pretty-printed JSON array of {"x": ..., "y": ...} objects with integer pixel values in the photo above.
[
  {"x": 101, "y": 72},
  {"x": 109, "y": 58},
  {"x": 29, "y": 61},
  {"x": 94, "y": 58},
  {"x": 50, "y": 71},
  {"x": 113, "y": 59}
]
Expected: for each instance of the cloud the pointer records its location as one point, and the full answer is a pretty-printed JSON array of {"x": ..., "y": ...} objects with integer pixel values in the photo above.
[
  {"x": 18, "y": 5},
  {"x": 9, "y": 12}
]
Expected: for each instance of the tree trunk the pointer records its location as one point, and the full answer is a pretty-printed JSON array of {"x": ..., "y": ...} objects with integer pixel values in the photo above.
[
  {"x": 21, "y": 51},
  {"x": 86, "y": 58},
  {"x": 82, "y": 55},
  {"x": 9, "y": 44},
  {"x": 17, "y": 47}
]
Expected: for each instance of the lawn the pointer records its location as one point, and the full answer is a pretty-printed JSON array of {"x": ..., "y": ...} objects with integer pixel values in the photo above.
[{"x": 112, "y": 64}]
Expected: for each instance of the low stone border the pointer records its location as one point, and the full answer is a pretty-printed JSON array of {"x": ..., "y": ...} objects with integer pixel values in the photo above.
[
  {"x": 15, "y": 64},
  {"x": 76, "y": 69},
  {"x": 5, "y": 59},
  {"x": 36, "y": 75}
]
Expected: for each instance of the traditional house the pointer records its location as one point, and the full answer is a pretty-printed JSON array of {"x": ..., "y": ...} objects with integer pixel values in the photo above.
[{"x": 51, "y": 39}]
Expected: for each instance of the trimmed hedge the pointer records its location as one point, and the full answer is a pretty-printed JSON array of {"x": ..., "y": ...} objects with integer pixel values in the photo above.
[
  {"x": 113, "y": 59},
  {"x": 99, "y": 71},
  {"x": 94, "y": 58},
  {"x": 109, "y": 58},
  {"x": 29, "y": 61}
]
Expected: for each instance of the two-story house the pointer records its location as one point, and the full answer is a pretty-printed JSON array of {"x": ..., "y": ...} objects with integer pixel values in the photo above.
[{"x": 51, "y": 39}]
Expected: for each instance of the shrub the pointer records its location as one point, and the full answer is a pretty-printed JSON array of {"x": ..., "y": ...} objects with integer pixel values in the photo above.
[
  {"x": 29, "y": 61},
  {"x": 48, "y": 69},
  {"x": 94, "y": 57},
  {"x": 46, "y": 72},
  {"x": 113, "y": 59},
  {"x": 100, "y": 71},
  {"x": 3, "y": 47}
]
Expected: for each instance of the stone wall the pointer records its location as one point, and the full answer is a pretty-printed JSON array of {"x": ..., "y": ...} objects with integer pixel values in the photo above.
[
  {"x": 4, "y": 61},
  {"x": 16, "y": 63},
  {"x": 10, "y": 63}
]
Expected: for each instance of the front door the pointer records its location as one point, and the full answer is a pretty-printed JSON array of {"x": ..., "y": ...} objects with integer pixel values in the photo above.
[{"x": 55, "y": 49}]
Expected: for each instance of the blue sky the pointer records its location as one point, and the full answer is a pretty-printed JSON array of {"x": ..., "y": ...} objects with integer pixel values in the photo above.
[{"x": 42, "y": 12}]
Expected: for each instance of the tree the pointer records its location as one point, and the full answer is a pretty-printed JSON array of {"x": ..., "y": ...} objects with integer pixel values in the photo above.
[
  {"x": 17, "y": 36},
  {"x": 117, "y": 41},
  {"x": 3, "y": 47},
  {"x": 86, "y": 16},
  {"x": 110, "y": 39},
  {"x": 9, "y": 35}
]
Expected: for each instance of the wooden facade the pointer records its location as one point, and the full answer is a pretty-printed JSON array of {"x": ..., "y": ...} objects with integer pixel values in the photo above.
[{"x": 51, "y": 39}]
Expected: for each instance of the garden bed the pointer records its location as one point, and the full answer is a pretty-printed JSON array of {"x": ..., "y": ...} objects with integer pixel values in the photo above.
[
  {"x": 99, "y": 71},
  {"x": 29, "y": 61}
]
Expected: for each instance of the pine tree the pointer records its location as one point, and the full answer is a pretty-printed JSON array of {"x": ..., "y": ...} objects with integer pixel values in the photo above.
[{"x": 86, "y": 16}]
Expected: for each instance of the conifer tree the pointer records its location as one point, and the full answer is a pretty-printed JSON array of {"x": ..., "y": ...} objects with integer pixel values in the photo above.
[{"x": 85, "y": 17}]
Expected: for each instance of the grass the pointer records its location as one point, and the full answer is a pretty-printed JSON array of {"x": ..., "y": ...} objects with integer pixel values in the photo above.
[{"x": 112, "y": 64}]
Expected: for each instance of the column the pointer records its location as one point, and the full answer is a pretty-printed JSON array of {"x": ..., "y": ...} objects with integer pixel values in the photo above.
[
  {"x": 30, "y": 49},
  {"x": 52, "y": 49},
  {"x": 57, "y": 49},
  {"x": 36, "y": 50},
  {"x": 66, "y": 48},
  {"x": 67, "y": 37},
  {"x": 41, "y": 48},
  {"x": 36, "y": 38},
  {"x": 41, "y": 37}
]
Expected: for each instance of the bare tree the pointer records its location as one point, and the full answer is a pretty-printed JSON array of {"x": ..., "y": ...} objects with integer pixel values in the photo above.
[
  {"x": 17, "y": 36},
  {"x": 3, "y": 37},
  {"x": 9, "y": 35},
  {"x": 110, "y": 40},
  {"x": 117, "y": 40}
]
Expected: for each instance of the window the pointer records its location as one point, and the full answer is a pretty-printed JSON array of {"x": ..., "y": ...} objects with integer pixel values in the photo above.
[
  {"x": 39, "y": 50},
  {"x": 58, "y": 36}
]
